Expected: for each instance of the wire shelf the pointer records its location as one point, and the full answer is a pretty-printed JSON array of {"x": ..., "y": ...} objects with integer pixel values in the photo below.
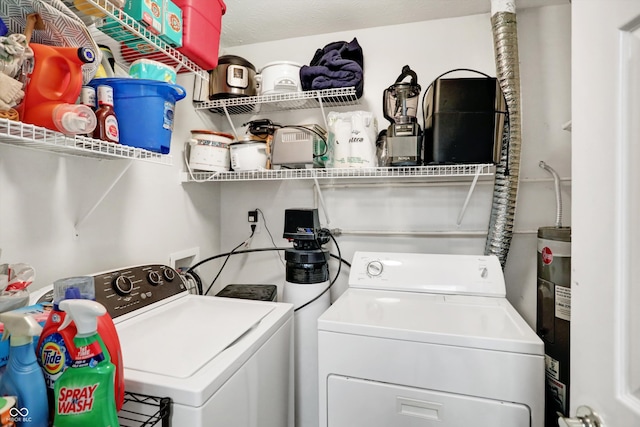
[
  {"x": 30, "y": 136},
  {"x": 136, "y": 42},
  {"x": 435, "y": 172},
  {"x": 140, "y": 410},
  {"x": 282, "y": 101}
]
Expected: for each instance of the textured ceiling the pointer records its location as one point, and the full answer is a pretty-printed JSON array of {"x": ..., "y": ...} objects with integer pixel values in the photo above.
[{"x": 255, "y": 21}]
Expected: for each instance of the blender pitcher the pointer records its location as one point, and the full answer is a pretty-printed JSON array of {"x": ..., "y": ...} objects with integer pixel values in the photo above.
[{"x": 404, "y": 135}]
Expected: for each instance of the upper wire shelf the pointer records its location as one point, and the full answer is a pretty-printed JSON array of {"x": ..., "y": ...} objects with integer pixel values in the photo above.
[
  {"x": 30, "y": 136},
  {"x": 136, "y": 42},
  {"x": 282, "y": 101},
  {"x": 436, "y": 172}
]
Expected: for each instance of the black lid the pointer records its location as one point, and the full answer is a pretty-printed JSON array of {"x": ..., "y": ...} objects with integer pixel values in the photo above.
[
  {"x": 86, "y": 55},
  {"x": 235, "y": 60}
]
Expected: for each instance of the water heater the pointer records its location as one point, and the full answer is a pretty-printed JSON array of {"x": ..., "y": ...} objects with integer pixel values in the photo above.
[
  {"x": 554, "y": 316},
  {"x": 553, "y": 323}
]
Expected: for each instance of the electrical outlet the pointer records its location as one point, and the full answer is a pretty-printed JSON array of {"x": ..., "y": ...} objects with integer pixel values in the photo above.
[{"x": 252, "y": 216}]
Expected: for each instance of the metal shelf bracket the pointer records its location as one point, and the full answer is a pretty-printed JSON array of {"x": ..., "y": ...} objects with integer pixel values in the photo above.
[
  {"x": 79, "y": 222},
  {"x": 469, "y": 193}
]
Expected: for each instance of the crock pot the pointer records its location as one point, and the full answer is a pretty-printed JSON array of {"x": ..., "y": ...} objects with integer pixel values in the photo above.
[
  {"x": 209, "y": 151},
  {"x": 248, "y": 155},
  {"x": 233, "y": 77},
  {"x": 280, "y": 76}
]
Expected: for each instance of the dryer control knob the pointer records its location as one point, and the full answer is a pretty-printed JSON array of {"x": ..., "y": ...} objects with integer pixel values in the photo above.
[
  {"x": 374, "y": 268},
  {"x": 122, "y": 285},
  {"x": 154, "y": 278},
  {"x": 169, "y": 274}
]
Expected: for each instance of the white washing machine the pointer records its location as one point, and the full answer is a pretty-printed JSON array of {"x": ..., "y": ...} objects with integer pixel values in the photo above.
[
  {"x": 223, "y": 362},
  {"x": 431, "y": 341}
]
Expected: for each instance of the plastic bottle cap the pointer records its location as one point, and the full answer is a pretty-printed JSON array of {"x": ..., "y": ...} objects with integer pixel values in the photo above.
[
  {"x": 84, "y": 313},
  {"x": 84, "y": 285},
  {"x": 20, "y": 327},
  {"x": 72, "y": 119}
]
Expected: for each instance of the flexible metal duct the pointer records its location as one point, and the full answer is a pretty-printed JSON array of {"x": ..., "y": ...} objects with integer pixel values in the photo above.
[{"x": 505, "y": 40}]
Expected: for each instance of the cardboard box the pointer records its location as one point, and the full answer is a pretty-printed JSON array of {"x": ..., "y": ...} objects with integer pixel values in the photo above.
[
  {"x": 172, "y": 24},
  {"x": 40, "y": 312},
  {"x": 147, "y": 12}
]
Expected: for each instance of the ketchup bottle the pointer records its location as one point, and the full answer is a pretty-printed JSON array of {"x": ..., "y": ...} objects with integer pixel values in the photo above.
[{"x": 107, "y": 127}]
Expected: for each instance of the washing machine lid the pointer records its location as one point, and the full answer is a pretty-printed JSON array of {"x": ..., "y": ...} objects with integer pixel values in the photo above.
[
  {"x": 429, "y": 273},
  {"x": 193, "y": 330},
  {"x": 489, "y": 323}
]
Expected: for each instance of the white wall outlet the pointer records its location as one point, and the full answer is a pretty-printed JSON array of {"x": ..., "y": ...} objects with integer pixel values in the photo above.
[{"x": 184, "y": 259}]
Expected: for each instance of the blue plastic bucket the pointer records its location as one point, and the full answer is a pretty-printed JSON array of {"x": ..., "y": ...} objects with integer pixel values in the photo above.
[{"x": 145, "y": 111}]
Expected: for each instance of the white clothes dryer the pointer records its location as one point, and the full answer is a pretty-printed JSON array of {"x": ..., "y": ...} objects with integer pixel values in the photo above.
[
  {"x": 222, "y": 362},
  {"x": 431, "y": 341}
]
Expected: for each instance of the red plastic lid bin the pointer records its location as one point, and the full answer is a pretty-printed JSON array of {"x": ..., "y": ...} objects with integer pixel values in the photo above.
[{"x": 202, "y": 23}]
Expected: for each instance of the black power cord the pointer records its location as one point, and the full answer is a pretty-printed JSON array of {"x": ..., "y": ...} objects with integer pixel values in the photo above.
[
  {"x": 253, "y": 230},
  {"x": 234, "y": 251},
  {"x": 326, "y": 231}
]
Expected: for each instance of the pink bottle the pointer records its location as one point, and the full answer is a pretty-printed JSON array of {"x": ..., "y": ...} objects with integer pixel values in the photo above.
[{"x": 56, "y": 79}]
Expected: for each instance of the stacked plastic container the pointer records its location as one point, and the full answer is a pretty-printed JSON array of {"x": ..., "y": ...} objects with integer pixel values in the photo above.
[{"x": 202, "y": 23}]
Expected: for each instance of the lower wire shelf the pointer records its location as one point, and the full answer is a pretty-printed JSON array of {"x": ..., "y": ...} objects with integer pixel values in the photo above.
[{"x": 140, "y": 410}]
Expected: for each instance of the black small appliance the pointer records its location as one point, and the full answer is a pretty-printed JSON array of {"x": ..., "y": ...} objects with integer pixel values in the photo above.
[{"x": 463, "y": 121}]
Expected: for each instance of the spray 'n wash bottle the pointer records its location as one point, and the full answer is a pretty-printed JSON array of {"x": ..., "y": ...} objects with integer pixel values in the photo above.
[
  {"x": 23, "y": 377},
  {"x": 84, "y": 393},
  {"x": 55, "y": 346}
]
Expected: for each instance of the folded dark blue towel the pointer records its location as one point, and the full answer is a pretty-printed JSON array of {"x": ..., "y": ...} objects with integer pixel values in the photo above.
[{"x": 338, "y": 64}]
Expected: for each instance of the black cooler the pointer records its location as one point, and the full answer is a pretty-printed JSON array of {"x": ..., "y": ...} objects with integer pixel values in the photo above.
[{"x": 464, "y": 118}]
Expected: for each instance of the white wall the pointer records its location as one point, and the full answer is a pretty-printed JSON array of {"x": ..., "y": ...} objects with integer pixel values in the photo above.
[
  {"x": 147, "y": 215},
  {"x": 430, "y": 48},
  {"x": 150, "y": 214}
]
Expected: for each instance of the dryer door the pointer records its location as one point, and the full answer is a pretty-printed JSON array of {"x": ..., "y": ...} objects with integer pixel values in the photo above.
[{"x": 350, "y": 404}]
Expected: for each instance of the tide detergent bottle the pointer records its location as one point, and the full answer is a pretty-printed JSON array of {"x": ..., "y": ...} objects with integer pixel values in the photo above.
[
  {"x": 23, "y": 377},
  {"x": 55, "y": 346},
  {"x": 84, "y": 392}
]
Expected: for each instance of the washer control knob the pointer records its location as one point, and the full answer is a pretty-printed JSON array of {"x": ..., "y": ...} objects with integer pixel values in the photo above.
[
  {"x": 122, "y": 285},
  {"x": 484, "y": 272},
  {"x": 154, "y": 278},
  {"x": 374, "y": 268},
  {"x": 169, "y": 274}
]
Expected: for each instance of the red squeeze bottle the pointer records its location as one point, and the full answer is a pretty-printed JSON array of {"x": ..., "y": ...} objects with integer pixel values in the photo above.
[
  {"x": 55, "y": 348},
  {"x": 107, "y": 127}
]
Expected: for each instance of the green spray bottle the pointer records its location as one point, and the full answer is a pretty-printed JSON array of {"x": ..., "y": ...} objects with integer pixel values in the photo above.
[{"x": 84, "y": 393}]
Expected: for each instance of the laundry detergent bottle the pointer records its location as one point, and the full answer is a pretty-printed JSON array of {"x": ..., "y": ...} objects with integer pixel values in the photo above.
[
  {"x": 84, "y": 393},
  {"x": 56, "y": 80},
  {"x": 55, "y": 346},
  {"x": 23, "y": 377}
]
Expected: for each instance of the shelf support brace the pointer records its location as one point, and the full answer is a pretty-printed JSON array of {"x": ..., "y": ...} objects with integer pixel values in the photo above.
[
  {"x": 81, "y": 221},
  {"x": 324, "y": 117},
  {"x": 321, "y": 198},
  {"x": 469, "y": 193},
  {"x": 226, "y": 113}
]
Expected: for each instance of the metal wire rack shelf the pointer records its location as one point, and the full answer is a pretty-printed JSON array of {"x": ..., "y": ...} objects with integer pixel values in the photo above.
[
  {"x": 29, "y": 136},
  {"x": 140, "y": 410},
  {"x": 435, "y": 172},
  {"x": 336, "y": 97},
  {"x": 136, "y": 42}
]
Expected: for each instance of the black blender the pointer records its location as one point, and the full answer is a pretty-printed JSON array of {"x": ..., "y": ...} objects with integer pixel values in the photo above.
[{"x": 404, "y": 135}]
